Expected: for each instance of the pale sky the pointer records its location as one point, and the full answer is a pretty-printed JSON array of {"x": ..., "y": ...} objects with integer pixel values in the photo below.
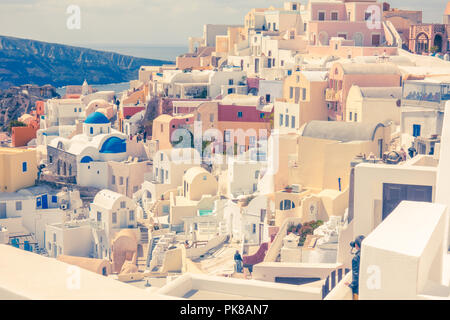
[{"x": 143, "y": 22}]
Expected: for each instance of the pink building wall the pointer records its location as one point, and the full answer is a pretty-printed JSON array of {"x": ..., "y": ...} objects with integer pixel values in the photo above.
[
  {"x": 249, "y": 114},
  {"x": 343, "y": 51},
  {"x": 346, "y": 81},
  {"x": 350, "y": 20}
]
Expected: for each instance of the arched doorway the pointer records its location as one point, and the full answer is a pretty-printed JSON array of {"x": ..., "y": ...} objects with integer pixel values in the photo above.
[
  {"x": 359, "y": 39},
  {"x": 422, "y": 43},
  {"x": 323, "y": 39},
  {"x": 438, "y": 42}
]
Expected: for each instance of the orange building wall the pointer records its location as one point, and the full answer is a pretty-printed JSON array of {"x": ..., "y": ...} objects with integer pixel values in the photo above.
[{"x": 22, "y": 135}]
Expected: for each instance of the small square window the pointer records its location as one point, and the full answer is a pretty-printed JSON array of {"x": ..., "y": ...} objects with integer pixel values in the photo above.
[
  {"x": 239, "y": 114},
  {"x": 122, "y": 204},
  {"x": 18, "y": 205},
  {"x": 54, "y": 199}
]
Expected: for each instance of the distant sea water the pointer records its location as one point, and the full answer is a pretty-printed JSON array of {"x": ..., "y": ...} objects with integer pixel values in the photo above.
[{"x": 169, "y": 53}]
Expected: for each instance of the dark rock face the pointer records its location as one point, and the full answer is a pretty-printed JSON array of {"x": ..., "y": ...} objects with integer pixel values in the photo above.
[
  {"x": 27, "y": 61},
  {"x": 16, "y": 101}
]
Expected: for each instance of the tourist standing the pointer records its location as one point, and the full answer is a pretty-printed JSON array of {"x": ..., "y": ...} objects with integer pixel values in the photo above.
[
  {"x": 354, "y": 285},
  {"x": 238, "y": 261}
]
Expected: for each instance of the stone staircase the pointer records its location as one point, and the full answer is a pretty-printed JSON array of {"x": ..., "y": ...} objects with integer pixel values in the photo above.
[
  {"x": 142, "y": 261},
  {"x": 152, "y": 208},
  {"x": 159, "y": 249},
  {"x": 41, "y": 251},
  {"x": 154, "y": 241}
]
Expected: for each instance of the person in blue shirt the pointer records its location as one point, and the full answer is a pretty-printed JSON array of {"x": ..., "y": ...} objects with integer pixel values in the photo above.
[
  {"x": 354, "y": 285},
  {"x": 238, "y": 261}
]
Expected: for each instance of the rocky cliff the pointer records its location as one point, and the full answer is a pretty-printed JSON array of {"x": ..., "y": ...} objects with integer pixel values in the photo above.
[
  {"x": 16, "y": 101},
  {"x": 34, "y": 62}
]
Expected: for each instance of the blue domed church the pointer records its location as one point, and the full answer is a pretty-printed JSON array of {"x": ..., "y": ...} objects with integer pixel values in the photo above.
[{"x": 83, "y": 159}]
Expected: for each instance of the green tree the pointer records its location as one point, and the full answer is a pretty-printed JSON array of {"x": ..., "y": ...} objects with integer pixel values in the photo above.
[{"x": 15, "y": 123}]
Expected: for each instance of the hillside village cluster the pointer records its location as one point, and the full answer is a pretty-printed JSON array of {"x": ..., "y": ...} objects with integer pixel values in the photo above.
[{"x": 283, "y": 138}]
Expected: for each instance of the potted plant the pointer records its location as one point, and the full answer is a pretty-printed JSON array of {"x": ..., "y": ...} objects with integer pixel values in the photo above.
[
  {"x": 288, "y": 189},
  {"x": 291, "y": 229}
]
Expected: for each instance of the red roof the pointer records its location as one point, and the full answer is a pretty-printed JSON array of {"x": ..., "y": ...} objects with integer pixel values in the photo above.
[{"x": 131, "y": 111}]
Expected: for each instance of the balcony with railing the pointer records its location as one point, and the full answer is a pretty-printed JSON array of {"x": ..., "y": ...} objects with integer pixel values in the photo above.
[{"x": 428, "y": 94}]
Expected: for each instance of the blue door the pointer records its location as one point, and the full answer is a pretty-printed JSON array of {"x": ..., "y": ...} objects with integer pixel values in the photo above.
[
  {"x": 416, "y": 130},
  {"x": 44, "y": 202}
]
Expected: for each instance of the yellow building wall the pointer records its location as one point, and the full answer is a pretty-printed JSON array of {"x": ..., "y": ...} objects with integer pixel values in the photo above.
[
  {"x": 161, "y": 132},
  {"x": 322, "y": 162},
  {"x": 314, "y": 106},
  {"x": 200, "y": 187},
  {"x": 288, "y": 145},
  {"x": 177, "y": 213},
  {"x": 222, "y": 44},
  {"x": 12, "y": 178},
  {"x": 173, "y": 260}
]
